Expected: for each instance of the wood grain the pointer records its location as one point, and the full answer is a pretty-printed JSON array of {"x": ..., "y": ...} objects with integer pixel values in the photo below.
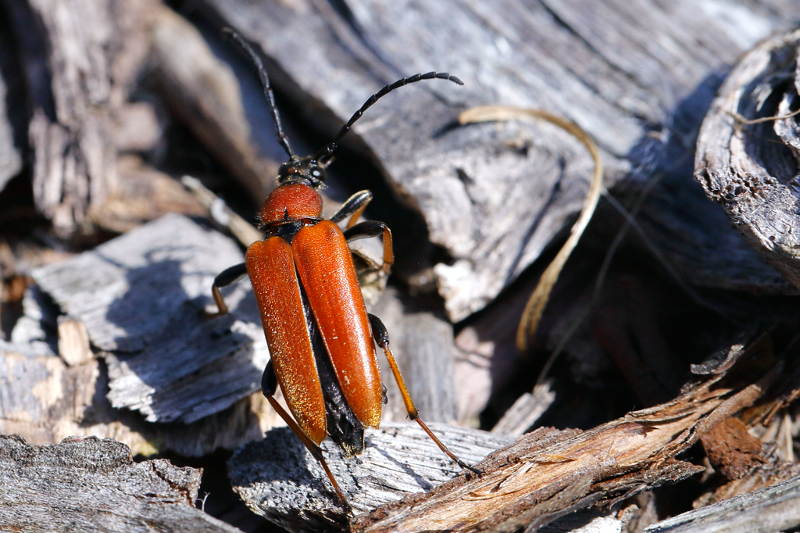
[
  {"x": 94, "y": 485},
  {"x": 750, "y": 169},
  {"x": 141, "y": 297},
  {"x": 608, "y": 68}
]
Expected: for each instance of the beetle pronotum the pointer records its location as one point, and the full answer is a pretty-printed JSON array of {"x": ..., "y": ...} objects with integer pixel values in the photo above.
[{"x": 319, "y": 333}]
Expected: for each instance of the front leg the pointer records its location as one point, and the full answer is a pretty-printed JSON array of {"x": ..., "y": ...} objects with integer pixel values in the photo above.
[
  {"x": 353, "y": 208},
  {"x": 223, "y": 279}
]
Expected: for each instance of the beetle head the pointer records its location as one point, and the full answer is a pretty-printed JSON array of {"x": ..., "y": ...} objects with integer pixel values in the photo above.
[{"x": 309, "y": 170}]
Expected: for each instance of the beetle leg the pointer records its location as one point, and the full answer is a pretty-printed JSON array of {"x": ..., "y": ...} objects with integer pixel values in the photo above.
[
  {"x": 374, "y": 228},
  {"x": 224, "y": 278},
  {"x": 381, "y": 336},
  {"x": 269, "y": 384},
  {"x": 353, "y": 207}
]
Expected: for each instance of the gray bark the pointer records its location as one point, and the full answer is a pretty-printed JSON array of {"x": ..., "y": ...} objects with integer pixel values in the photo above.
[
  {"x": 775, "y": 508},
  {"x": 751, "y": 169},
  {"x": 617, "y": 84},
  {"x": 94, "y": 485},
  {"x": 79, "y": 58}
]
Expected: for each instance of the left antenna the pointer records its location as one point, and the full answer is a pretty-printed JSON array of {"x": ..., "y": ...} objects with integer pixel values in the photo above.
[{"x": 268, "y": 94}]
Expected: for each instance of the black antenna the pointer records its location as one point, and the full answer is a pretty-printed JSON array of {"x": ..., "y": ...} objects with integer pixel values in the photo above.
[
  {"x": 329, "y": 148},
  {"x": 270, "y": 97}
]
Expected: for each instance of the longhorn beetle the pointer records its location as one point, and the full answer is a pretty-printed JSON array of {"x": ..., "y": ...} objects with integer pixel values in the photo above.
[{"x": 319, "y": 333}]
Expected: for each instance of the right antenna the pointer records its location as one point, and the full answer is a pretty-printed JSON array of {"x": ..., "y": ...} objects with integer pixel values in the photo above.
[
  {"x": 329, "y": 148},
  {"x": 262, "y": 73}
]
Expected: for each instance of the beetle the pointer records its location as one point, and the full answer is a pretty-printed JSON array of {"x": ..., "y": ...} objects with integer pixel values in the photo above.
[{"x": 321, "y": 338}]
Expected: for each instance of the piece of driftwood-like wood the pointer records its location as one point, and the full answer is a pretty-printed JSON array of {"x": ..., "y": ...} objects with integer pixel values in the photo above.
[
  {"x": 751, "y": 169},
  {"x": 278, "y": 479},
  {"x": 45, "y": 400},
  {"x": 536, "y": 480},
  {"x": 141, "y": 297},
  {"x": 79, "y": 59},
  {"x": 10, "y": 156},
  {"x": 206, "y": 92},
  {"x": 542, "y": 476},
  {"x": 612, "y": 78},
  {"x": 94, "y": 485},
  {"x": 141, "y": 194},
  {"x": 775, "y": 508}
]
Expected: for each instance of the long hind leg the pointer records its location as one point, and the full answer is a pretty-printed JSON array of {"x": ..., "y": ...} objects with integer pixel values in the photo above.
[
  {"x": 381, "y": 336},
  {"x": 269, "y": 384}
]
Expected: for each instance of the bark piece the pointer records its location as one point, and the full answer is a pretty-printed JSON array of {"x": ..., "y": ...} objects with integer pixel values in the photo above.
[
  {"x": 751, "y": 169},
  {"x": 79, "y": 59},
  {"x": 526, "y": 410},
  {"x": 141, "y": 297},
  {"x": 45, "y": 401},
  {"x": 775, "y": 508},
  {"x": 543, "y": 475},
  {"x": 732, "y": 450},
  {"x": 94, "y": 485},
  {"x": 204, "y": 84},
  {"x": 550, "y": 55},
  {"x": 141, "y": 194},
  {"x": 10, "y": 156},
  {"x": 278, "y": 479}
]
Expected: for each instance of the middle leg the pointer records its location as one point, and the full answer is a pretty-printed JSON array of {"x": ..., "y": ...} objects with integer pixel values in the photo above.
[{"x": 374, "y": 228}]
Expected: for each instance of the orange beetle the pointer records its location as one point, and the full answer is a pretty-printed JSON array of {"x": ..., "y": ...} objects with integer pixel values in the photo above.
[{"x": 319, "y": 333}]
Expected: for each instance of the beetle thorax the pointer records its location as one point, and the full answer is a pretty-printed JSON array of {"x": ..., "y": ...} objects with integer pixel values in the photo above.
[{"x": 290, "y": 202}]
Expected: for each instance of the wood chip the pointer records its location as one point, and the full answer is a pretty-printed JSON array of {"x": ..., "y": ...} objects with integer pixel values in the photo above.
[
  {"x": 94, "y": 485},
  {"x": 750, "y": 168},
  {"x": 642, "y": 115},
  {"x": 775, "y": 508},
  {"x": 141, "y": 297}
]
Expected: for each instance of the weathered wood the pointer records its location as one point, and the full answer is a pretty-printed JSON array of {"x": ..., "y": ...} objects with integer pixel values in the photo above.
[
  {"x": 45, "y": 401},
  {"x": 750, "y": 169},
  {"x": 775, "y": 508},
  {"x": 78, "y": 58},
  {"x": 208, "y": 94},
  {"x": 612, "y": 82},
  {"x": 10, "y": 118},
  {"x": 525, "y": 411},
  {"x": 141, "y": 297},
  {"x": 278, "y": 479},
  {"x": 94, "y": 485},
  {"x": 544, "y": 475},
  {"x": 141, "y": 194}
]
